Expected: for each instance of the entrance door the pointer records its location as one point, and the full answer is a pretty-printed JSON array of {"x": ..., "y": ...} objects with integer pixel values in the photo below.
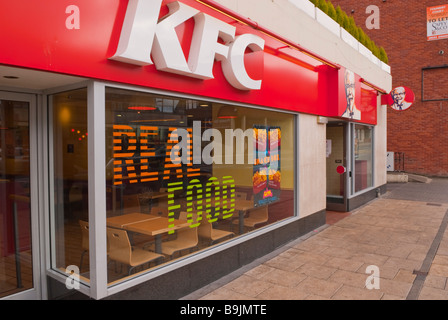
[
  {"x": 19, "y": 254},
  {"x": 336, "y": 161}
]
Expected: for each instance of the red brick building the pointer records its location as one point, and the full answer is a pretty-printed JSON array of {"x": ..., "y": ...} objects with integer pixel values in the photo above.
[{"x": 420, "y": 132}]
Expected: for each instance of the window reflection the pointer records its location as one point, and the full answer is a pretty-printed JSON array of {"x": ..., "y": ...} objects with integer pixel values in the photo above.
[
  {"x": 70, "y": 218},
  {"x": 363, "y": 155},
  {"x": 184, "y": 175},
  {"x": 16, "y": 273}
]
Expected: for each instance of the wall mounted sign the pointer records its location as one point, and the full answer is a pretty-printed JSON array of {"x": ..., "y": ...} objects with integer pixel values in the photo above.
[
  {"x": 144, "y": 33},
  {"x": 401, "y": 98},
  {"x": 356, "y": 100},
  {"x": 170, "y": 53},
  {"x": 437, "y": 22},
  {"x": 351, "y": 110}
]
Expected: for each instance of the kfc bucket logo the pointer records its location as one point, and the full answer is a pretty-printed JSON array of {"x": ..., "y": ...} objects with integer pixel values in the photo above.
[{"x": 143, "y": 35}]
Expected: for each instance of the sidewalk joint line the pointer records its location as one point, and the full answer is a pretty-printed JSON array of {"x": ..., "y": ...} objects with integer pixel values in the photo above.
[{"x": 414, "y": 293}]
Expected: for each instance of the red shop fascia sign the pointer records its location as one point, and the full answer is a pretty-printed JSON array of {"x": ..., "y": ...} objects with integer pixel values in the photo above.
[{"x": 195, "y": 47}]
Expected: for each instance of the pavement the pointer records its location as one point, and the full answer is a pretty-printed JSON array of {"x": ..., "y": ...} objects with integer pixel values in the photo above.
[{"x": 393, "y": 248}]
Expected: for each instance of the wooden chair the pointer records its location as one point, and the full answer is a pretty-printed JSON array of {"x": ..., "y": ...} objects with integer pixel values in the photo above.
[
  {"x": 159, "y": 211},
  {"x": 131, "y": 203},
  {"x": 85, "y": 240},
  {"x": 206, "y": 230},
  {"x": 120, "y": 250},
  {"x": 256, "y": 216},
  {"x": 186, "y": 238}
]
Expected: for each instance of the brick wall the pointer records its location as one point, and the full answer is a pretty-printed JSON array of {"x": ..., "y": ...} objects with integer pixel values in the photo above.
[{"x": 421, "y": 132}]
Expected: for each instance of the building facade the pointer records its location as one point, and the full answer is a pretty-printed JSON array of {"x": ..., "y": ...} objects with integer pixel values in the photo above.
[
  {"x": 415, "y": 42},
  {"x": 149, "y": 152}
]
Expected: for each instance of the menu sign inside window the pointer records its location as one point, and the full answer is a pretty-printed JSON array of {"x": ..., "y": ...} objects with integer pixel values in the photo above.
[{"x": 266, "y": 177}]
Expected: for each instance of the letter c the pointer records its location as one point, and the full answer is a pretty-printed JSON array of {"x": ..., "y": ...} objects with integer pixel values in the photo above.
[{"x": 233, "y": 67}]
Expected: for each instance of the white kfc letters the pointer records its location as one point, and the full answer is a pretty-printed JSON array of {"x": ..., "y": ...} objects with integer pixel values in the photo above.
[{"x": 142, "y": 35}]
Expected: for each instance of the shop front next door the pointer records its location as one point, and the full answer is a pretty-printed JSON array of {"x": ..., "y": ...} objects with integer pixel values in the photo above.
[
  {"x": 336, "y": 165},
  {"x": 19, "y": 257}
]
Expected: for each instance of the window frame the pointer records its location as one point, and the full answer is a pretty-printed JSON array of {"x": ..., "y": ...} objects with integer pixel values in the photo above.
[
  {"x": 48, "y": 173},
  {"x": 352, "y": 177},
  {"x": 98, "y": 287}
]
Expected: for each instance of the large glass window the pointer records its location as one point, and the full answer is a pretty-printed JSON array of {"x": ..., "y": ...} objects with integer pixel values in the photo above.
[
  {"x": 69, "y": 170},
  {"x": 363, "y": 157},
  {"x": 184, "y": 175},
  {"x": 16, "y": 269}
]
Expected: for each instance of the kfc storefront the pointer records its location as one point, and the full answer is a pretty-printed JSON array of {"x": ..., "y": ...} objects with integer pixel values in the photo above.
[{"x": 145, "y": 140}]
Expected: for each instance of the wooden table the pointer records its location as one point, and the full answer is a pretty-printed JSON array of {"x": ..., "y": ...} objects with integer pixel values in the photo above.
[
  {"x": 130, "y": 218},
  {"x": 157, "y": 227},
  {"x": 153, "y": 195},
  {"x": 147, "y": 224}
]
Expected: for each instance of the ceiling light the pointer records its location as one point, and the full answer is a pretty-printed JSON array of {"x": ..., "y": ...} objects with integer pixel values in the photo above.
[{"x": 142, "y": 108}]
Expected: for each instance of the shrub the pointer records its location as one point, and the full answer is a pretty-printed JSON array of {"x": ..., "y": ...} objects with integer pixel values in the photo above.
[
  {"x": 348, "y": 23},
  {"x": 322, "y": 5},
  {"x": 331, "y": 11},
  {"x": 383, "y": 55}
]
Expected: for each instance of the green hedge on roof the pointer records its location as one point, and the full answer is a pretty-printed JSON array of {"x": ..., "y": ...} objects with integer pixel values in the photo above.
[{"x": 348, "y": 23}]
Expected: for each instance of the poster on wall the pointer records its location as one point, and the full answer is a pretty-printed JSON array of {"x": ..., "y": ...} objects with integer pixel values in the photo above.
[
  {"x": 328, "y": 147},
  {"x": 437, "y": 22},
  {"x": 351, "y": 107},
  {"x": 266, "y": 169}
]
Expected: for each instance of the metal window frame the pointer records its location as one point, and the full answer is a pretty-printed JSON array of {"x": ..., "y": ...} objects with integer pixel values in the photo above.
[
  {"x": 98, "y": 287},
  {"x": 351, "y": 156},
  {"x": 96, "y": 127},
  {"x": 423, "y": 82},
  {"x": 47, "y": 172},
  {"x": 129, "y": 283},
  {"x": 35, "y": 189}
]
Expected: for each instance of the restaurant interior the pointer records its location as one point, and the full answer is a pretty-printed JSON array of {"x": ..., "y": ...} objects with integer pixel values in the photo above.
[{"x": 160, "y": 210}]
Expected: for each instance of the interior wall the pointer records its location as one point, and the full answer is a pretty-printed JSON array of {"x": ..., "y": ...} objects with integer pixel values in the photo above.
[{"x": 335, "y": 159}]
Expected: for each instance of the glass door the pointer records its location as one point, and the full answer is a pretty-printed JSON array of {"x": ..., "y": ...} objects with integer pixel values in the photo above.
[
  {"x": 336, "y": 166},
  {"x": 19, "y": 277}
]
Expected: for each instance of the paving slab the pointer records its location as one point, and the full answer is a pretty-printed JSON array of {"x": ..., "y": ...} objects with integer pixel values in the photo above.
[{"x": 403, "y": 234}]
